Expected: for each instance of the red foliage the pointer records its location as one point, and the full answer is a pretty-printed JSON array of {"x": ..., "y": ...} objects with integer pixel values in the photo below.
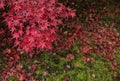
[
  {"x": 92, "y": 36},
  {"x": 34, "y": 23},
  {"x": 2, "y": 4},
  {"x": 34, "y": 26},
  {"x": 70, "y": 57}
]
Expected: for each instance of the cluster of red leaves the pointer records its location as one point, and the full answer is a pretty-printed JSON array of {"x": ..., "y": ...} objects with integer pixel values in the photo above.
[
  {"x": 1, "y": 4},
  {"x": 70, "y": 57},
  {"x": 8, "y": 56},
  {"x": 101, "y": 38},
  {"x": 13, "y": 69},
  {"x": 34, "y": 23}
]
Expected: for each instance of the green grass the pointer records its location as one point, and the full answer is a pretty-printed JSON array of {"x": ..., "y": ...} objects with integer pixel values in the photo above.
[{"x": 57, "y": 70}]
